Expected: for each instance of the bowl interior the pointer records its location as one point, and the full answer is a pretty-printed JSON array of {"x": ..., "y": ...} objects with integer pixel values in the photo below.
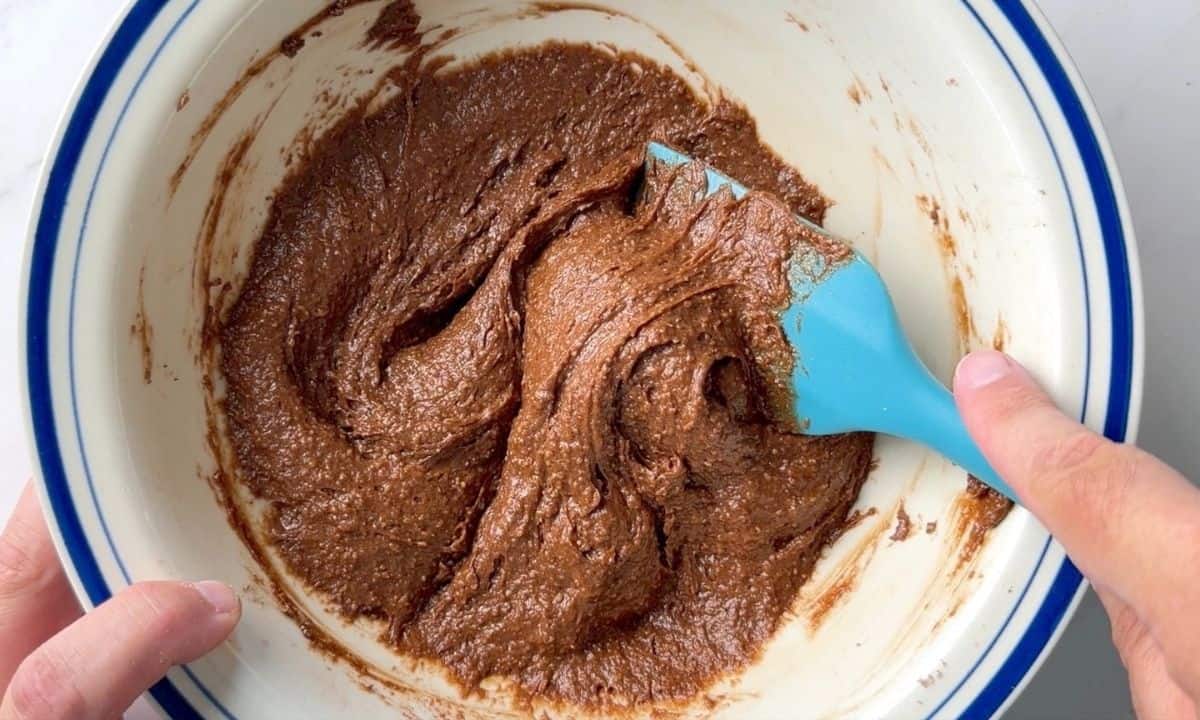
[{"x": 941, "y": 176}]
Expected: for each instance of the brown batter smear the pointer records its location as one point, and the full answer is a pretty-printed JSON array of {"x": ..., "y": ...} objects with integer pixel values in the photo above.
[
  {"x": 210, "y": 121},
  {"x": 396, "y": 27},
  {"x": 964, "y": 321},
  {"x": 941, "y": 225},
  {"x": 855, "y": 518},
  {"x": 858, "y": 91},
  {"x": 533, "y": 426},
  {"x": 965, "y": 218},
  {"x": 919, "y": 135},
  {"x": 819, "y": 599},
  {"x": 142, "y": 331},
  {"x": 903, "y": 525},
  {"x": 1000, "y": 335},
  {"x": 209, "y": 291},
  {"x": 793, "y": 19},
  {"x": 980, "y": 509},
  {"x": 292, "y": 45},
  {"x": 843, "y": 584},
  {"x": 289, "y": 47}
]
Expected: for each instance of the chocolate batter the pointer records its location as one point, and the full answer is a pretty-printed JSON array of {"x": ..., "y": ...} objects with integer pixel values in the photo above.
[{"x": 533, "y": 423}]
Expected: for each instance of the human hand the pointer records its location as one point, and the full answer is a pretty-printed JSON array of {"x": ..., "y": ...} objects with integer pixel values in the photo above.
[
  {"x": 1128, "y": 521},
  {"x": 57, "y": 665}
]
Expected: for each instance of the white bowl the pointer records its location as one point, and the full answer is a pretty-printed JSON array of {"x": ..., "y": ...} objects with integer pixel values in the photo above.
[{"x": 972, "y": 104}]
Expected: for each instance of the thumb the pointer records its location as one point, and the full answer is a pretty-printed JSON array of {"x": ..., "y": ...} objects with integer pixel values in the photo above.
[
  {"x": 97, "y": 667},
  {"x": 1129, "y": 521}
]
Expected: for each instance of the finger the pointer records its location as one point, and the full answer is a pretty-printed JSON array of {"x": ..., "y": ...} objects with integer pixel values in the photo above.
[
  {"x": 35, "y": 598},
  {"x": 1131, "y": 523},
  {"x": 97, "y": 667},
  {"x": 1156, "y": 693}
]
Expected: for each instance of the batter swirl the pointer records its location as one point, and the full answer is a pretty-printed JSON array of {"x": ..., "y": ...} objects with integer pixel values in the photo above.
[{"x": 537, "y": 425}]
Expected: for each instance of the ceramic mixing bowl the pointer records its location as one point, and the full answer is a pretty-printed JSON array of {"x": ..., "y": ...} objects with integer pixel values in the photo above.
[{"x": 964, "y": 160}]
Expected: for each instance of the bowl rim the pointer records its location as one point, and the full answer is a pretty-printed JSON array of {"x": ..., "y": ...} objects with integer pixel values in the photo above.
[{"x": 1123, "y": 400}]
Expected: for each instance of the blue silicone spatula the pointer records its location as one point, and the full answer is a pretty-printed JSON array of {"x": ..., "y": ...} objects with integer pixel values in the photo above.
[{"x": 855, "y": 368}]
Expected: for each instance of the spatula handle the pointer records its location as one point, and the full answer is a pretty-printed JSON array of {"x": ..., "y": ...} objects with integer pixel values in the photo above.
[{"x": 932, "y": 419}]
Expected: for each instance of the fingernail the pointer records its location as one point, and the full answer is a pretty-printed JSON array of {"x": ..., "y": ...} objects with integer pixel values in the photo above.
[
  {"x": 982, "y": 368},
  {"x": 219, "y": 595}
]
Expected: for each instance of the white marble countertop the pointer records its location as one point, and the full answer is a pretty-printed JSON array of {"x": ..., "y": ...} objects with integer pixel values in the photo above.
[{"x": 1141, "y": 60}]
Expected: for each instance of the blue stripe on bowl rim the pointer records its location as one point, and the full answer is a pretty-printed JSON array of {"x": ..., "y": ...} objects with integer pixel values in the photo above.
[{"x": 141, "y": 14}]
